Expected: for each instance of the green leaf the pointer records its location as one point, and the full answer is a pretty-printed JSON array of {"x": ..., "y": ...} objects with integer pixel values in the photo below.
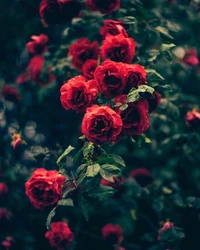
[
  {"x": 81, "y": 178},
  {"x": 82, "y": 137},
  {"x": 77, "y": 156},
  {"x": 80, "y": 169},
  {"x": 66, "y": 152},
  {"x": 107, "y": 172},
  {"x": 167, "y": 47},
  {"x": 88, "y": 150},
  {"x": 164, "y": 31},
  {"x": 66, "y": 202},
  {"x": 93, "y": 170},
  {"x": 84, "y": 207},
  {"x": 118, "y": 159},
  {"x": 153, "y": 72},
  {"x": 102, "y": 192},
  {"x": 134, "y": 95},
  {"x": 123, "y": 107},
  {"x": 49, "y": 218}
]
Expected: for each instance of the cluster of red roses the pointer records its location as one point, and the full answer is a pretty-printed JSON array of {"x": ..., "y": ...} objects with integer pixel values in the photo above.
[
  {"x": 61, "y": 11},
  {"x": 34, "y": 69},
  {"x": 114, "y": 78}
]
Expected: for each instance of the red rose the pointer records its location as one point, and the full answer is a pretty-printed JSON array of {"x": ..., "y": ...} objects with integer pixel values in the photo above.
[
  {"x": 142, "y": 176},
  {"x": 110, "y": 77},
  {"x": 81, "y": 51},
  {"x": 89, "y": 68},
  {"x": 3, "y": 189},
  {"x": 58, "y": 11},
  {"x": 101, "y": 124},
  {"x": 135, "y": 76},
  {"x": 118, "y": 48},
  {"x": 10, "y": 93},
  {"x": 44, "y": 188},
  {"x": 191, "y": 57},
  {"x": 192, "y": 119},
  {"x": 135, "y": 117},
  {"x": 166, "y": 226},
  {"x": 104, "y": 6},
  {"x": 34, "y": 70},
  {"x": 112, "y": 27},
  {"x": 38, "y": 45},
  {"x": 77, "y": 94},
  {"x": 60, "y": 236},
  {"x": 112, "y": 233}
]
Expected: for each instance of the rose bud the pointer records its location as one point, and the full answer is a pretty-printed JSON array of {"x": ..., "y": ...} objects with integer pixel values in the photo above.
[
  {"x": 38, "y": 45},
  {"x": 104, "y": 6},
  {"x": 101, "y": 124},
  {"x": 3, "y": 189},
  {"x": 110, "y": 77},
  {"x": 112, "y": 234},
  {"x": 44, "y": 188},
  {"x": 192, "y": 119},
  {"x": 60, "y": 236},
  {"x": 77, "y": 94},
  {"x": 81, "y": 51},
  {"x": 135, "y": 76},
  {"x": 118, "y": 48},
  {"x": 116, "y": 184},
  {"x": 142, "y": 176},
  {"x": 135, "y": 117},
  {"x": 166, "y": 226},
  {"x": 112, "y": 27},
  {"x": 89, "y": 68},
  {"x": 10, "y": 94},
  {"x": 191, "y": 57}
]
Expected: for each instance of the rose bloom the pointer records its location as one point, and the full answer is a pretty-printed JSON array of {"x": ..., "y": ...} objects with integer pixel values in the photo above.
[
  {"x": 166, "y": 226},
  {"x": 38, "y": 45},
  {"x": 60, "y": 236},
  {"x": 34, "y": 70},
  {"x": 104, "y": 6},
  {"x": 44, "y": 188},
  {"x": 191, "y": 57},
  {"x": 112, "y": 233},
  {"x": 77, "y": 94},
  {"x": 101, "y": 124},
  {"x": 10, "y": 93},
  {"x": 58, "y": 11},
  {"x": 110, "y": 77},
  {"x": 135, "y": 117},
  {"x": 192, "y": 119},
  {"x": 112, "y": 27},
  {"x": 3, "y": 189},
  {"x": 89, "y": 68},
  {"x": 142, "y": 176},
  {"x": 81, "y": 51},
  {"x": 135, "y": 76},
  {"x": 118, "y": 48}
]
